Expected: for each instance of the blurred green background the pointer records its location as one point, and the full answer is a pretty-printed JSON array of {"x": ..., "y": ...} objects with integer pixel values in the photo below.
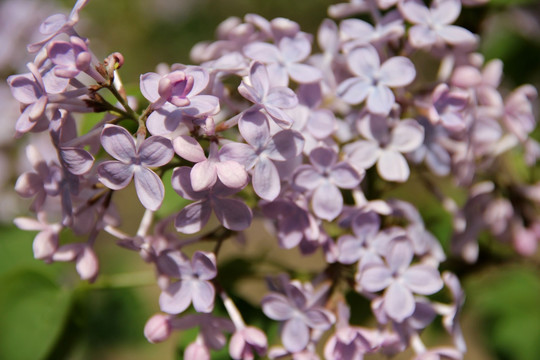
[{"x": 46, "y": 312}]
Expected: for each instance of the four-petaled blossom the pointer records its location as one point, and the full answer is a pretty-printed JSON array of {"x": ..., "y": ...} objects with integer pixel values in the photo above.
[
  {"x": 400, "y": 280},
  {"x": 134, "y": 160},
  {"x": 299, "y": 315},
  {"x": 432, "y": 26},
  {"x": 193, "y": 285},
  {"x": 373, "y": 80},
  {"x": 247, "y": 341},
  {"x": 324, "y": 177}
]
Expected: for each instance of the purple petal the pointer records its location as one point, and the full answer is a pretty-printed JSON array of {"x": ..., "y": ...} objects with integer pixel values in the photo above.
[
  {"x": 398, "y": 302},
  {"x": 232, "y": 174},
  {"x": 423, "y": 279},
  {"x": 202, "y": 105},
  {"x": 415, "y": 11},
  {"x": 119, "y": 143},
  {"x": 392, "y": 166},
  {"x": 181, "y": 183},
  {"x": 295, "y": 335},
  {"x": 188, "y": 148},
  {"x": 364, "y": 62},
  {"x": 203, "y": 295},
  {"x": 380, "y": 100},
  {"x": 149, "y": 86},
  {"x": 398, "y": 71},
  {"x": 239, "y": 152},
  {"x": 114, "y": 174},
  {"x": 203, "y": 175},
  {"x": 364, "y": 154},
  {"x": 350, "y": 249},
  {"x": 354, "y": 90},
  {"x": 277, "y": 307},
  {"x": 155, "y": 151},
  {"x": 266, "y": 181},
  {"x": 375, "y": 278},
  {"x": 304, "y": 74},
  {"x": 321, "y": 123},
  {"x": 345, "y": 176},
  {"x": 204, "y": 265},
  {"x": 307, "y": 177},
  {"x": 176, "y": 298},
  {"x": 400, "y": 255},
  {"x": 319, "y": 319},
  {"x": 281, "y": 97},
  {"x": 285, "y": 145},
  {"x": 421, "y": 36},
  {"x": 254, "y": 128},
  {"x": 407, "y": 136},
  {"x": 445, "y": 11},
  {"x": 327, "y": 201},
  {"x": 456, "y": 35},
  {"x": 193, "y": 217},
  {"x": 24, "y": 88},
  {"x": 149, "y": 186},
  {"x": 258, "y": 76},
  {"x": 295, "y": 49},
  {"x": 77, "y": 161},
  {"x": 322, "y": 158},
  {"x": 232, "y": 214},
  {"x": 262, "y": 52}
]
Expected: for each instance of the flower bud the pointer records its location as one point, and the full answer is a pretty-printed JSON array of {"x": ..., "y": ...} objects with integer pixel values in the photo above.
[{"x": 157, "y": 328}]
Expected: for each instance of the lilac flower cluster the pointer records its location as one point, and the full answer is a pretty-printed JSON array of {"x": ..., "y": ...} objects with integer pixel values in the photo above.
[{"x": 266, "y": 127}]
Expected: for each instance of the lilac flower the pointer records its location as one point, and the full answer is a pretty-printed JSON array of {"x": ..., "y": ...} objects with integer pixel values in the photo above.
[
  {"x": 285, "y": 59},
  {"x": 447, "y": 106},
  {"x": 373, "y": 80},
  {"x": 299, "y": 316},
  {"x": 193, "y": 285},
  {"x": 245, "y": 342},
  {"x": 518, "y": 114},
  {"x": 85, "y": 258},
  {"x": 432, "y": 26},
  {"x": 232, "y": 213},
  {"x": 385, "y": 147},
  {"x": 179, "y": 89},
  {"x": 356, "y": 32},
  {"x": 324, "y": 177},
  {"x": 260, "y": 90},
  {"x": 58, "y": 24},
  {"x": 134, "y": 160},
  {"x": 260, "y": 152},
  {"x": 400, "y": 280},
  {"x": 207, "y": 171}
]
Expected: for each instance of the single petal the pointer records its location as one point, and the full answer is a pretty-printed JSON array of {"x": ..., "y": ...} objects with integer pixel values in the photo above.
[
  {"x": 421, "y": 36},
  {"x": 193, "y": 217},
  {"x": 345, "y": 176},
  {"x": 400, "y": 255},
  {"x": 155, "y": 151},
  {"x": 398, "y": 302},
  {"x": 445, "y": 11},
  {"x": 239, "y": 152},
  {"x": 407, "y": 136},
  {"x": 354, "y": 90},
  {"x": 456, "y": 35},
  {"x": 232, "y": 174},
  {"x": 307, "y": 177},
  {"x": 114, "y": 174},
  {"x": 350, "y": 249},
  {"x": 258, "y": 77},
  {"x": 397, "y": 71},
  {"x": 77, "y": 161},
  {"x": 203, "y": 175},
  {"x": 203, "y": 295},
  {"x": 181, "y": 183},
  {"x": 304, "y": 74},
  {"x": 277, "y": 307},
  {"x": 266, "y": 181},
  {"x": 281, "y": 97},
  {"x": 285, "y": 145},
  {"x": 189, "y": 148},
  {"x": 295, "y": 49},
  {"x": 415, "y": 11},
  {"x": 149, "y": 86},
  {"x": 204, "y": 265},
  {"x": 364, "y": 62},
  {"x": 422, "y": 279},
  {"x": 176, "y": 298},
  {"x": 319, "y": 319},
  {"x": 364, "y": 154},
  {"x": 263, "y": 52},
  {"x": 149, "y": 186},
  {"x": 254, "y": 128},
  {"x": 295, "y": 335},
  {"x": 327, "y": 201},
  {"x": 375, "y": 278},
  {"x": 232, "y": 214},
  {"x": 392, "y": 166},
  {"x": 119, "y": 143},
  {"x": 380, "y": 100}
]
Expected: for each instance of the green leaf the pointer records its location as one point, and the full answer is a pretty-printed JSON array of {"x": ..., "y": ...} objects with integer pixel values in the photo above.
[{"x": 33, "y": 312}]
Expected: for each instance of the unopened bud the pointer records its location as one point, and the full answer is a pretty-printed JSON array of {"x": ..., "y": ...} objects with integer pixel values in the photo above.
[{"x": 157, "y": 328}]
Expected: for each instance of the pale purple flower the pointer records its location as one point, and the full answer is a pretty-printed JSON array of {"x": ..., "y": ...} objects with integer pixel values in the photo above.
[
  {"x": 432, "y": 152},
  {"x": 356, "y": 32},
  {"x": 86, "y": 261},
  {"x": 432, "y": 26},
  {"x": 324, "y": 177},
  {"x": 259, "y": 88},
  {"x": 211, "y": 329},
  {"x": 385, "y": 146},
  {"x": 285, "y": 59},
  {"x": 447, "y": 107},
  {"x": 400, "y": 280},
  {"x": 246, "y": 342},
  {"x": 299, "y": 316},
  {"x": 207, "y": 171},
  {"x": 193, "y": 285},
  {"x": 180, "y": 89},
  {"x": 58, "y": 24},
  {"x": 518, "y": 113},
  {"x": 233, "y": 214},
  {"x": 134, "y": 160},
  {"x": 260, "y": 152},
  {"x": 373, "y": 80}
]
